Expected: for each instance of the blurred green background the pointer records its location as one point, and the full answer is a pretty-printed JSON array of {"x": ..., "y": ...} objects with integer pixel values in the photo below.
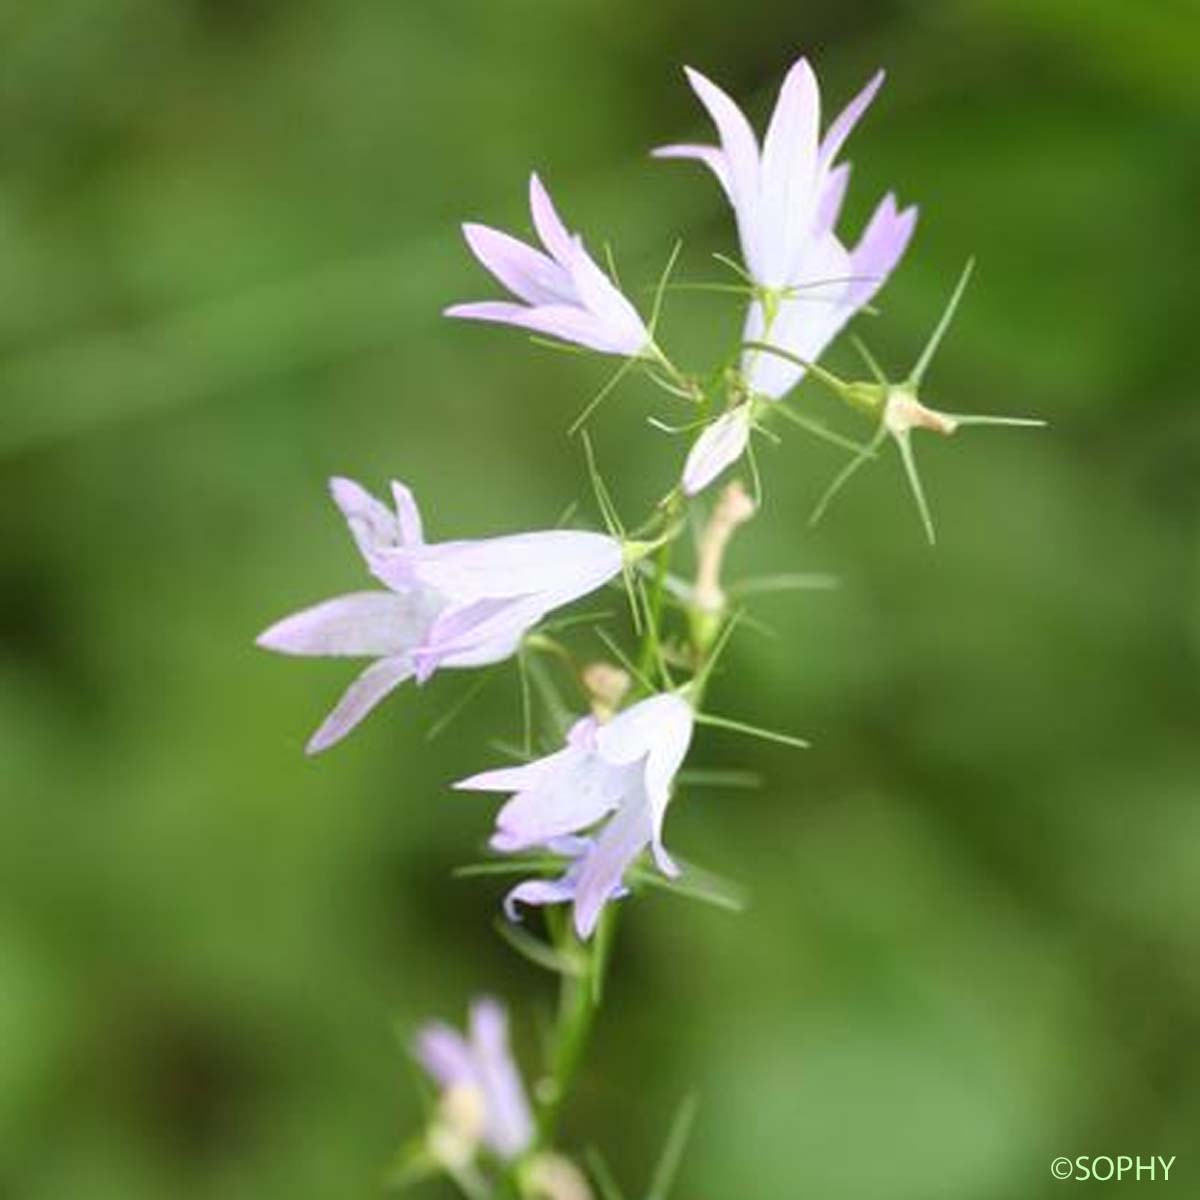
[{"x": 227, "y": 228}]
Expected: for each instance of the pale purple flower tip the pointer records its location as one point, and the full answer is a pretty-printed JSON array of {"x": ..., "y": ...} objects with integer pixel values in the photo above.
[
  {"x": 449, "y": 604},
  {"x": 786, "y": 199},
  {"x": 482, "y": 1061},
  {"x": 720, "y": 445},
  {"x": 611, "y": 781},
  {"x": 563, "y": 293},
  {"x": 781, "y": 192}
]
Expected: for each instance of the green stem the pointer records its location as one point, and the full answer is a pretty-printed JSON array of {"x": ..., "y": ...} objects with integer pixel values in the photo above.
[
  {"x": 580, "y": 993},
  {"x": 579, "y": 1001}
]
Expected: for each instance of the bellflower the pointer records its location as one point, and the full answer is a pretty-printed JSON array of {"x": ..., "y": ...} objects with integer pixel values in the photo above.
[
  {"x": 786, "y": 199},
  {"x": 447, "y": 604},
  {"x": 600, "y": 801},
  {"x": 563, "y": 293},
  {"x": 482, "y": 1095}
]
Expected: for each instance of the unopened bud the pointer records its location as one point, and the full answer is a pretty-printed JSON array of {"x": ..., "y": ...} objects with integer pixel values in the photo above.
[
  {"x": 606, "y": 686},
  {"x": 551, "y": 1176},
  {"x": 734, "y": 507},
  {"x": 458, "y": 1126}
]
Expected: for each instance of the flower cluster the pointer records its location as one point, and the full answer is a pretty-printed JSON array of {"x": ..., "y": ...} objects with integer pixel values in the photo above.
[{"x": 583, "y": 823}]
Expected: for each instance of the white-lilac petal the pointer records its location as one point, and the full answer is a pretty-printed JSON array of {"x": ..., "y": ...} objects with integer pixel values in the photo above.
[
  {"x": 656, "y": 734},
  {"x": 739, "y": 145},
  {"x": 444, "y": 1054},
  {"x": 477, "y": 634},
  {"x": 830, "y": 200},
  {"x": 381, "y": 677},
  {"x": 358, "y": 625},
  {"x": 805, "y": 321},
  {"x": 374, "y": 526},
  {"x": 843, "y": 124},
  {"x": 562, "y": 890},
  {"x": 554, "y": 563},
  {"x": 564, "y": 293},
  {"x": 710, "y": 156},
  {"x": 533, "y": 276},
  {"x": 509, "y": 1129},
  {"x": 880, "y": 248},
  {"x": 788, "y": 182},
  {"x": 721, "y": 444},
  {"x": 549, "y": 226},
  {"x": 603, "y": 868}
]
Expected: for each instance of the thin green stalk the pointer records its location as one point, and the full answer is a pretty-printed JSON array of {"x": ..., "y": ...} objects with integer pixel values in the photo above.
[{"x": 579, "y": 1001}]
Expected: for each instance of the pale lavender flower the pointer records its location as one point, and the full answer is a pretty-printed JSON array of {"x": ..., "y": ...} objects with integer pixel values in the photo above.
[
  {"x": 832, "y": 286},
  {"x": 786, "y": 200},
  {"x": 599, "y": 801},
  {"x": 481, "y": 1067},
  {"x": 448, "y": 604},
  {"x": 563, "y": 293}
]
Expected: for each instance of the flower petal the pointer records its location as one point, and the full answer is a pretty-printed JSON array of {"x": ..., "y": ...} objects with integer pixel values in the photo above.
[
  {"x": 626, "y": 835},
  {"x": 581, "y": 736},
  {"x": 557, "y": 564},
  {"x": 581, "y": 790},
  {"x": 738, "y": 142},
  {"x": 526, "y": 272},
  {"x": 475, "y": 634},
  {"x": 843, "y": 124},
  {"x": 655, "y": 733},
  {"x": 565, "y": 322},
  {"x": 880, "y": 248},
  {"x": 806, "y": 322},
  {"x": 408, "y": 515},
  {"x": 554, "y": 234},
  {"x": 720, "y": 445},
  {"x": 538, "y": 892},
  {"x": 509, "y": 1128},
  {"x": 444, "y": 1054},
  {"x": 374, "y": 527},
  {"x": 361, "y": 624},
  {"x": 789, "y": 175},
  {"x": 360, "y": 698},
  {"x": 600, "y": 296},
  {"x": 829, "y": 203},
  {"x": 710, "y": 156}
]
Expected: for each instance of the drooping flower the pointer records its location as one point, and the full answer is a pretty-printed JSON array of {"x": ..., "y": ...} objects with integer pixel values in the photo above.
[
  {"x": 786, "y": 199},
  {"x": 448, "y": 604},
  {"x": 562, "y": 292},
  {"x": 600, "y": 801},
  {"x": 482, "y": 1097}
]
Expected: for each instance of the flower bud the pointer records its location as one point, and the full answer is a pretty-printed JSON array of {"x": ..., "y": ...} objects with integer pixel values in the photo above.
[
  {"x": 734, "y": 507},
  {"x": 606, "y": 686},
  {"x": 458, "y": 1126},
  {"x": 551, "y": 1176}
]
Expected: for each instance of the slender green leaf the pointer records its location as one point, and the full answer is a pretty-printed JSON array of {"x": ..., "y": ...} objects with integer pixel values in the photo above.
[
  {"x": 536, "y": 951},
  {"x": 671, "y": 1158},
  {"x": 766, "y": 735},
  {"x": 602, "y": 1177}
]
